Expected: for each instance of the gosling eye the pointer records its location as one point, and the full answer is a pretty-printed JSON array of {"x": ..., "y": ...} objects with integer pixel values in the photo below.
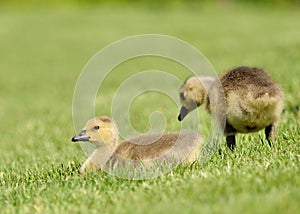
[
  {"x": 182, "y": 96},
  {"x": 96, "y": 127}
]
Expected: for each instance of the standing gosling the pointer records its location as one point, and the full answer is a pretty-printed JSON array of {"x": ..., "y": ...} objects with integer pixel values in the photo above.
[
  {"x": 101, "y": 131},
  {"x": 253, "y": 101}
]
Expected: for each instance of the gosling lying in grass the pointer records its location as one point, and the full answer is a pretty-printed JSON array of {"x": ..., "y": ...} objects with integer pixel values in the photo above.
[
  {"x": 253, "y": 101},
  {"x": 101, "y": 131}
]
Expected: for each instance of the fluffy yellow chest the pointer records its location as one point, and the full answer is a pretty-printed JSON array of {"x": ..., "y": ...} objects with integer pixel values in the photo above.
[{"x": 246, "y": 114}]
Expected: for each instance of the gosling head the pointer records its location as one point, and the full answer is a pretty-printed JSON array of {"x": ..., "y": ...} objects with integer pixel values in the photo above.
[
  {"x": 99, "y": 130},
  {"x": 193, "y": 93}
]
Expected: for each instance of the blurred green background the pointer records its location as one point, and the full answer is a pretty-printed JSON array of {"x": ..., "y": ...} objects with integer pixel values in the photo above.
[{"x": 45, "y": 44}]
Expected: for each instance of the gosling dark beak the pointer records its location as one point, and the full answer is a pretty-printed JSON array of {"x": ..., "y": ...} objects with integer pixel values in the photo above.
[
  {"x": 81, "y": 137},
  {"x": 183, "y": 113}
]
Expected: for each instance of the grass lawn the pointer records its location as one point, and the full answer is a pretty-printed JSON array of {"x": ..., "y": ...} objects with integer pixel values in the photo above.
[{"x": 43, "y": 50}]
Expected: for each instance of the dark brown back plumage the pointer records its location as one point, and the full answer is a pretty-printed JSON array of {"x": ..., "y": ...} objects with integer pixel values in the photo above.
[{"x": 249, "y": 78}]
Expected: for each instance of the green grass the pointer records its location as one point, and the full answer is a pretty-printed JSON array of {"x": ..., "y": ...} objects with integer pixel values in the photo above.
[{"x": 42, "y": 53}]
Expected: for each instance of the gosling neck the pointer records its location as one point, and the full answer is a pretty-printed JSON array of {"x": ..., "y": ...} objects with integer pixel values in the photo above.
[
  {"x": 110, "y": 138},
  {"x": 207, "y": 83}
]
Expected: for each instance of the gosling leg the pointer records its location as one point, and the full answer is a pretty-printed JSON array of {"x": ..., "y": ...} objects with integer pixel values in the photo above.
[
  {"x": 270, "y": 133},
  {"x": 230, "y": 140},
  {"x": 88, "y": 166}
]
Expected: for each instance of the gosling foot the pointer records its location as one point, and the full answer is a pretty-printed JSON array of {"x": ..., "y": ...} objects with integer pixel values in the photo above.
[
  {"x": 230, "y": 140},
  {"x": 270, "y": 134}
]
